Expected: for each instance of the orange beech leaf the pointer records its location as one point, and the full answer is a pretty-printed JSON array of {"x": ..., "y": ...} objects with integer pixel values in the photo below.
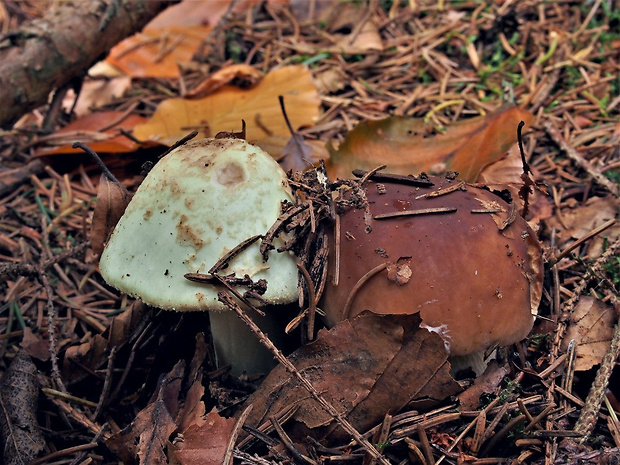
[
  {"x": 101, "y": 131},
  {"x": 223, "y": 110},
  {"x": 155, "y": 52},
  {"x": 410, "y": 146},
  {"x": 246, "y": 76}
]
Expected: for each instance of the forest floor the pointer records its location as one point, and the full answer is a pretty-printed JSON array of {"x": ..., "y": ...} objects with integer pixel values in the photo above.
[{"x": 100, "y": 358}]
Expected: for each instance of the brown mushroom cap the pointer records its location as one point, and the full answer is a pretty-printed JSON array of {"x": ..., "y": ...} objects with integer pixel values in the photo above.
[{"x": 474, "y": 272}]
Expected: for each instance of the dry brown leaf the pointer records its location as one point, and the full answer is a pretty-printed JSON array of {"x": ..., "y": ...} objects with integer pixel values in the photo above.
[
  {"x": 223, "y": 110},
  {"x": 101, "y": 131},
  {"x": 205, "y": 441},
  {"x": 409, "y": 146},
  {"x": 487, "y": 383},
  {"x": 193, "y": 408},
  {"x": 331, "y": 80},
  {"x": 93, "y": 352},
  {"x": 363, "y": 368},
  {"x": 275, "y": 146},
  {"x": 591, "y": 327},
  {"x": 21, "y": 437},
  {"x": 35, "y": 346},
  {"x": 147, "y": 437},
  {"x": 149, "y": 433},
  {"x": 244, "y": 76},
  {"x": 364, "y": 40},
  {"x": 112, "y": 199},
  {"x": 582, "y": 219}
]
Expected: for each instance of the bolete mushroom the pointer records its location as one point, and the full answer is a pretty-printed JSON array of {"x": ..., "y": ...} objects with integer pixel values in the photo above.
[
  {"x": 458, "y": 254},
  {"x": 197, "y": 204}
]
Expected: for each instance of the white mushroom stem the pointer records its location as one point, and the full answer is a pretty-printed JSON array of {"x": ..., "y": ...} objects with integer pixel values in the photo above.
[
  {"x": 234, "y": 341},
  {"x": 476, "y": 362}
]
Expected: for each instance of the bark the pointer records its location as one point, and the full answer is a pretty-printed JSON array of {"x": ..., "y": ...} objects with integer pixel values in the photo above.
[{"x": 47, "y": 53}]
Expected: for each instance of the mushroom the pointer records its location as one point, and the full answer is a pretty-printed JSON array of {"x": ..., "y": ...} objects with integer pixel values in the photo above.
[
  {"x": 458, "y": 254},
  {"x": 196, "y": 205}
]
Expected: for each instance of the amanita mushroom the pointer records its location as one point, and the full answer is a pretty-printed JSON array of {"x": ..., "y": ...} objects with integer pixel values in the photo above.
[
  {"x": 197, "y": 203},
  {"x": 457, "y": 254}
]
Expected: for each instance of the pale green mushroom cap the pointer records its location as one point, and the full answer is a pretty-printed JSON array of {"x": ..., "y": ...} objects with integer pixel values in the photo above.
[{"x": 196, "y": 204}]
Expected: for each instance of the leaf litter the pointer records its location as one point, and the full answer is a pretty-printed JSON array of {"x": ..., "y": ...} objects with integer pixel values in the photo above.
[{"x": 46, "y": 211}]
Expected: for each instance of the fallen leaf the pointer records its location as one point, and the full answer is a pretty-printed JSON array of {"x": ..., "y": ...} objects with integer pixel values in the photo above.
[
  {"x": 96, "y": 93},
  {"x": 506, "y": 174},
  {"x": 191, "y": 13},
  {"x": 112, "y": 199},
  {"x": 155, "y": 52},
  {"x": 578, "y": 221},
  {"x": 147, "y": 436},
  {"x": 193, "y": 408},
  {"x": 364, "y": 37},
  {"x": 22, "y": 439},
  {"x": 35, "y": 346},
  {"x": 100, "y": 130},
  {"x": 297, "y": 155},
  {"x": 363, "y": 368},
  {"x": 275, "y": 146},
  {"x": 331, "y": 80},
  {"x": 205, "y": 441},
  {"x": 410, "y": 146},
  {"x": 93, "y": 353},
  {"x": 223, "y": 110},
  {"x": 591, "y": 327},
  {"x": 487, "y": 383},
  {"x": 244, "y": 76}
]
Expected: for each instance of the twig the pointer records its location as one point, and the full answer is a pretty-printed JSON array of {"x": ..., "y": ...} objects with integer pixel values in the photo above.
[
  {"x": 179, "y": 143},
  {"x": 98, "y": 161},
  {"x": 311, "y": 299},
  {"x": 107, "y": 383},
  {"x": 426, "y": 447},
  {"x": 51, "y": 330},
  {"x": 423, "y": 211},
  {"x": 419, "y": 181},
  {"x": 227, "y": 300},
  {"x": 606, "y": 225},
  {"x": 358, "y": 285},
  {"x": 230, "y": 447}
]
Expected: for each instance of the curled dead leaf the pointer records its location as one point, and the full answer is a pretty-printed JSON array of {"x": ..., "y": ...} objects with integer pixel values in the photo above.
[
  {"x": 93, "y": 352},
  {"x": 591, "y": 327},
  {"x": 364, "y": 369},
  {"x": 205, "y": 441},
  {"x": 112, "y": 199},
  {"x": 243, "y": 76},
  {"x": 410, "y": 146}
]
